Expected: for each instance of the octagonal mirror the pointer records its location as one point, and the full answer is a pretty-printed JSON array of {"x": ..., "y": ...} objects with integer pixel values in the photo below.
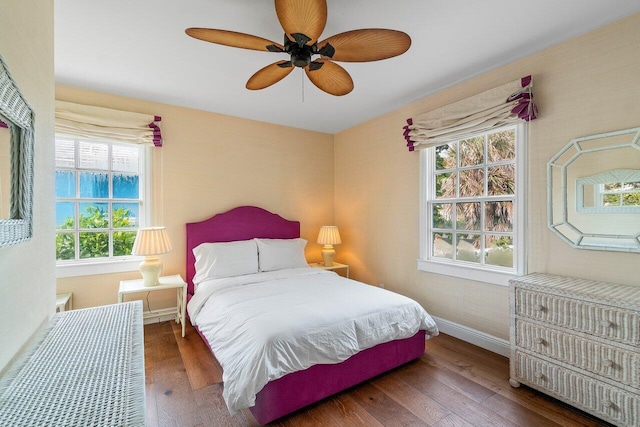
[{"x": 594, "y": 192}]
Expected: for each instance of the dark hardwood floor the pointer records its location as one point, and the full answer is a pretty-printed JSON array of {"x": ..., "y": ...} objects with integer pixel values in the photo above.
[{"x": 453, "y": 384}]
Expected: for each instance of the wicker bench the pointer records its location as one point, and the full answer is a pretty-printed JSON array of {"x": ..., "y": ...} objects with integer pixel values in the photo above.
[{"x": 85, "y": 369}]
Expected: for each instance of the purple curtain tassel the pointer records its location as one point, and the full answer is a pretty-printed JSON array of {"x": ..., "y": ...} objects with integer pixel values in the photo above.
[
  {"x": 406, "y": 136},
  {"x": 157, "y": 134}
]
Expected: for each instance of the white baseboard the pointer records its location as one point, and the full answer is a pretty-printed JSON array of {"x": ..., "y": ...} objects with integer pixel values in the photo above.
[
  {"x": 473, "y": 336},
  {"x": 159, "y": 315}
]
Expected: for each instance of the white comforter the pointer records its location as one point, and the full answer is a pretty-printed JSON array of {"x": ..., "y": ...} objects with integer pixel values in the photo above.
[{"x": 266, "y": 325}]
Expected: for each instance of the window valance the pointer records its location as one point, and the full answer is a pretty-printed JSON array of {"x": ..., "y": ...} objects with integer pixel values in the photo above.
[
  {"x": 494, "y": 108},
  {"x": 92, "y": 122}
]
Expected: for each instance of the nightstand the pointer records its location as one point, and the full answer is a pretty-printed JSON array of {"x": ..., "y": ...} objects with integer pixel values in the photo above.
[
  {"x": 62, "y": 300},
  {"x": 334, "y": 267},
  {"x": 166, "y": 282}
]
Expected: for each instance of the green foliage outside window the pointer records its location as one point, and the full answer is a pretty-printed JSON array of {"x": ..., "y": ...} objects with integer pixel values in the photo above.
[
  {"x": 501, "y": 145},
  {"x": 95, "y": 244},
  {"x": 628, "y": 199},
  {"x": 475, "y": 185}
]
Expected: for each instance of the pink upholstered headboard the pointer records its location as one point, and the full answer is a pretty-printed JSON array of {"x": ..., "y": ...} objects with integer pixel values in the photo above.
[{"x": 241, "y": 223}]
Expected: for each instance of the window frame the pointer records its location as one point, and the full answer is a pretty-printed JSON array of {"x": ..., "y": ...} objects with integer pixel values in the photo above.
[
  {"x": 601, "y": 192},
  {"x": 478, "y": 272},
  {"x": 94, "y": 266}
]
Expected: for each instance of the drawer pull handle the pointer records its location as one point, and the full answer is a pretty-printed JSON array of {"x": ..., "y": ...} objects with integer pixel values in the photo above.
[
  {"x": 607, "y": 403},
  {"x": 608, "y": 363},
  {"x": 607, "y": 323},
  {"x": 539, "y": 375},
  {"x": 540, "y": 341},
  {"x": 539, "y": 307}
]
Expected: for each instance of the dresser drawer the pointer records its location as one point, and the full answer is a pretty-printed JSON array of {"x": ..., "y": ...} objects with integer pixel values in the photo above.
[
  {"x": 607, "y": 361},
  {"x": 605, "y": 401},
  {"x": 597, "y": 319}
]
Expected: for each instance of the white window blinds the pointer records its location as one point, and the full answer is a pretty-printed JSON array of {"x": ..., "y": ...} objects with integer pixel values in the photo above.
[
  {"x": 497, "y": 107},
  {"x": 90, "y": 122}
]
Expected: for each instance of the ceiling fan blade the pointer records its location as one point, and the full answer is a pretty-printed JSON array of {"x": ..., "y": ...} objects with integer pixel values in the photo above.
[
  {"x": 365, "y": 45},
  {"x": 234, "y": 39},
  {"x": 306, "y": 17},
  {"x": 269, "y": 75},
  {"x": 330, "y": 77}
]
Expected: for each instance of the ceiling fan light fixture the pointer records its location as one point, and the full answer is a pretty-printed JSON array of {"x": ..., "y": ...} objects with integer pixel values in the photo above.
[
  {"x": 300, "y": 54},
  {"x": 303, "y": 22},
  {"x": 301, "y": 58}
]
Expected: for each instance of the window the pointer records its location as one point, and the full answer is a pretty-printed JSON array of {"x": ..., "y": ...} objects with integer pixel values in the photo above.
[
  {"x": 617, "y": 194},
  {"x": 472, "y": 206},
  {"x": 100, "y": 200},
  {"x": 613, "y": 191}
]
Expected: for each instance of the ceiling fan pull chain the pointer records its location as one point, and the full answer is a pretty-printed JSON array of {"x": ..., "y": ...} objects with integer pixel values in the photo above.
[{"x": 302, "y": 74}]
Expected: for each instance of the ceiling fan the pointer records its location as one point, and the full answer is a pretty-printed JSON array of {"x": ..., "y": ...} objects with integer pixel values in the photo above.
[{"x": 303, "y": 22}]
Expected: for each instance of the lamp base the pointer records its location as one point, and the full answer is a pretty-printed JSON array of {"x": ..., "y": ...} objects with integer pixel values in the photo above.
[
  {"x": 327, "y": 255},
  {"x": 150, "y": 269}
]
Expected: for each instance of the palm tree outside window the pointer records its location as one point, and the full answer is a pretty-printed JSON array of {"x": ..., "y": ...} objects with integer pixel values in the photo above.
[{"x": 471, "y": 193}]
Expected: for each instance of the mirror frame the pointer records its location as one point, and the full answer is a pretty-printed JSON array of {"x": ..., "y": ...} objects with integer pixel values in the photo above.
[
  {"x": 19, "y": 117},
  {"x": 560, "y": 223}
]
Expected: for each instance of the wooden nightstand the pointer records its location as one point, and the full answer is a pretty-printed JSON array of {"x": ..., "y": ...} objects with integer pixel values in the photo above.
[
  {"x": 166, "y": 282},
  {"x": 334, "y": 267}
]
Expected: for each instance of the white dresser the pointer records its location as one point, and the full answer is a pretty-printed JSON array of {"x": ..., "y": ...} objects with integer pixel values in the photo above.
[{"x": 578, "y": 341}]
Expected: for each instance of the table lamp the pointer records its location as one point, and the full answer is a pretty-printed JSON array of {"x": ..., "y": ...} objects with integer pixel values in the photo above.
[
  {"x": 328, "y": 237},
  {"x": 151, "y": 242}
]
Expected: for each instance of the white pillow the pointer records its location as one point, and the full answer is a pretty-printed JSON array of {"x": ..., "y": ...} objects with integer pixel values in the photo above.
[
  {"x": 278, "y": 254},
  {"x": 219, "y": 260}
]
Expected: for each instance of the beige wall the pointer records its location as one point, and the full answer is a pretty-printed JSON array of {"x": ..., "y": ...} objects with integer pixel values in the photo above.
[
  {"x": 585, "y": 86},
  {"x": 211, "y": 163},
  {"x": 27, "y": 284}
]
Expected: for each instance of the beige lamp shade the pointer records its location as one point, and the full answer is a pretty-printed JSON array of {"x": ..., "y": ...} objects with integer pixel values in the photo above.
[
  {"x": 151, "y": 242},
  {"x": 328, "y": 236}
]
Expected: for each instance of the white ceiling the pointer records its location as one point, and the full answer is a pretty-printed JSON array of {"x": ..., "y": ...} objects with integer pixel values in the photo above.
[{"x": 138, "y": 48}]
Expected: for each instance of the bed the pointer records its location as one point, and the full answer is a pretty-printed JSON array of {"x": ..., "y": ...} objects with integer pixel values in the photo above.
[{"x": 273, "y": 323}]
